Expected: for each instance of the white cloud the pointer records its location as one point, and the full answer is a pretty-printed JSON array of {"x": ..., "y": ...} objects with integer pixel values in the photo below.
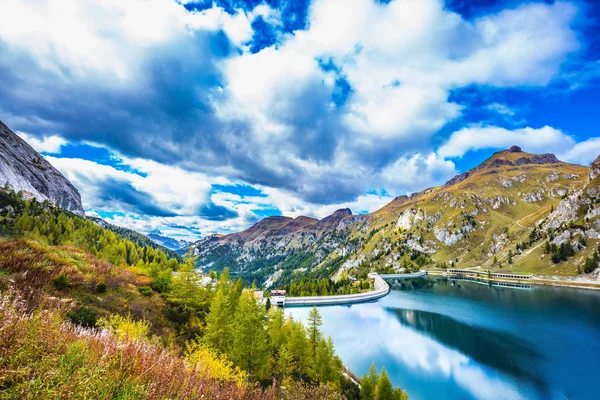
[
  {"x": 418, "y": 172},
  {"x": 540, "y": 140},
  {"x": 581, "y": 153},
  {"x": 108, "y": 38},
  {"x": 401, "y": 60},
  {"x": 423, "y": 48},
  {"x": 182, "y": 193},
  {"x": 501, "y": 109},
  {"x": 48, "y": 144}
]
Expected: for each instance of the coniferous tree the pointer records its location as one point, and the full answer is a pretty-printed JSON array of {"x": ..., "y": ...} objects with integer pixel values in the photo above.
[
  {"x": 384, "y": 390},
  {"x": 314, "y": 332},
  {"x": 368, "y": 384},
  {"x": 250, "y": 347},
  {"x": 219, "y": 323}
]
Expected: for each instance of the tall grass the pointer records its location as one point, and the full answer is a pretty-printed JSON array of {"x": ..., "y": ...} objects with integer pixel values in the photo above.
[{"x": 43, "y": 357}]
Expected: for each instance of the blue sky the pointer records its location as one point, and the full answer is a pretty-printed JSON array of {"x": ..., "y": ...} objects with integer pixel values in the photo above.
[{"x": 195, "y": 117}]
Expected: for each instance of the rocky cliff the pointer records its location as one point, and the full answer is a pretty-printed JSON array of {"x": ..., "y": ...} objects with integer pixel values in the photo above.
[{"x": 24, "y": 169}]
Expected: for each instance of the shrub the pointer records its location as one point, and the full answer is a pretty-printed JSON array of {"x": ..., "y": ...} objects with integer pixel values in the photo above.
[
  {"x": 101, "y": 287},
  {"x": 125, "y": 327},
  {"x": 145, "y": 291},
  {"x": 83, "y": 316},
  {"x": 61, "y": 282},
  {"x": 42, "y": 359},
  {"x": 589, "y": 265}
]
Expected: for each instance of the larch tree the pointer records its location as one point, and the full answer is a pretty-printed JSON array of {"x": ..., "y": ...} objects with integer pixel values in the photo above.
[
  {"x": 250, "y": 348},
  {"x": 368, "y": 384},
  {"x": 314, "y": 330}
]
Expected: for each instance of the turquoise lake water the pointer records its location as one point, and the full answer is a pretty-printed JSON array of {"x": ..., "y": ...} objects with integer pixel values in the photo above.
[{"x": 442, "y": 339}]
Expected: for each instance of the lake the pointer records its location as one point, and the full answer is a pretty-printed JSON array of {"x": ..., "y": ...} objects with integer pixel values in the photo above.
[{"x": 442, "y": 339}]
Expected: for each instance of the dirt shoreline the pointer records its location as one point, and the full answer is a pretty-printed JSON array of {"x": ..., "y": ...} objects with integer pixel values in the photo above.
[{"x": 536, "y": 280}]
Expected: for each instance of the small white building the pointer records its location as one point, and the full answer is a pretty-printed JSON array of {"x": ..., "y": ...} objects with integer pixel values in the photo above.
[{"x": 278, "y": 297}]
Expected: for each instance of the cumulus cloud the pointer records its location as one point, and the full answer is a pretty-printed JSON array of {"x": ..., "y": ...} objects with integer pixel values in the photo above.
[
  {"x": 47, "y": 144},
  {"x": 533, "y": 140},
  {"x": 336, "y": 106},
  {"x": 418, "y": 172},
  {"x": 582, "y": 153}
]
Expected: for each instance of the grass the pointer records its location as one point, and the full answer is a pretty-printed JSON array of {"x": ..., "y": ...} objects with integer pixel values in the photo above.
[
  {"x": 44, "y": 357},
  {"x": 49, "y": 274}
]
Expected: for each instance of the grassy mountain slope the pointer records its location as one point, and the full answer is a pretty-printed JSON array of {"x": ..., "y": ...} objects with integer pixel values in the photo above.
[{"x": 494, "y": 216}]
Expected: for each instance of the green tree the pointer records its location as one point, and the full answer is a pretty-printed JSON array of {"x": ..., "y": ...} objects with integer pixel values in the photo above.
[
  {"x": 299, "y": 347},
  {"x": 219, "y": 323},
  {"x": 368, "y": 384},
  {"x": 314, "y": 332},
  {"x": 327, "y": 367},
  {"x": 384, "y": 390},
  {"x": 275, "y": 328},
  {"x": 284, "y": 366},
  {"x": 250, "y": 349}
]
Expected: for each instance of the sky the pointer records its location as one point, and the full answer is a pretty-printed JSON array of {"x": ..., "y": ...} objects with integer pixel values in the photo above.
[{"x": 195, "y": 117}]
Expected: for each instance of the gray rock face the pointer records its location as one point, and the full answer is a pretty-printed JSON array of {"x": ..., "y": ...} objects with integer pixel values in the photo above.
[
  {"x": 595, "y": 168},
  {"x": 24, "y": 169},
  {"x": 538, "y": 159}
]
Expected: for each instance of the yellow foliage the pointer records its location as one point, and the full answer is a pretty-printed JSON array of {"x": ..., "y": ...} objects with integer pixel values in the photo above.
[
  {"x": 125, "y": 327},
  {"x": 213, "y": 366}
]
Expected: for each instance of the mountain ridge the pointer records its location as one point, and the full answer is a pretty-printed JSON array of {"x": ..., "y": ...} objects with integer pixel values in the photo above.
[
  {"x": 494, "y": 207},
  {"x": 24, "y": 169}
]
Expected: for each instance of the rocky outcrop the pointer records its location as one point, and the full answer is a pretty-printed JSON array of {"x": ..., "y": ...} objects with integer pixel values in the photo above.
[
  {"x": 410, "y": 218},
  {"x": 533, "y": 197},
  {"x": 594, "y": 169},
  {"x": 566, "y": 211},
  {"x": 515, "y": 149},
  {"x": 447, "y": 237},
  {"x": 457, "y": 179},
  {"x": 538, "y": 159},
  {"x": 24, "y": 169}
]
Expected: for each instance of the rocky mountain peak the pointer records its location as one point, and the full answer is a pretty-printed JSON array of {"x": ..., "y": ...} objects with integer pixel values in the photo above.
[
  {"x": 515, "y": 149},
  {"x": 343, "y": 211},
  {"x": 24, "y": 169}
]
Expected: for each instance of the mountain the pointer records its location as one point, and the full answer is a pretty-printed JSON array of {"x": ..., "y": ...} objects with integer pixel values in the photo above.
[
  {"x": 277, "y": 246},
  {"x": 24, "y": 169},
  {"x": 135, "y": 237},
  {"x": 514, "y": 212},
  {"x": 168, "y": 242}
]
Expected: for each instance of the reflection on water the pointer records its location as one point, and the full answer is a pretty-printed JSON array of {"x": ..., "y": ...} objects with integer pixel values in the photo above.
[
  {"x": 465, "y": 340},
  {"x": 500, "y": 350}
]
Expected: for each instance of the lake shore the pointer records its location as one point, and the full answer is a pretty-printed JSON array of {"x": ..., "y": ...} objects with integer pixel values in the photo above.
[{"x": 536, "y": 280}]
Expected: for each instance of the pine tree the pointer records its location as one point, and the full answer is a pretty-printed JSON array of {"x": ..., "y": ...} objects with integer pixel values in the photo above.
[
  {"x": 275, "y": 328},
  {"x": 510, "y": 256},
  {"x": 250, "y": 346},
  {"x": 325, "y": 366},
  {"x": 219, "y": 329},
  {"x": 284, "y": 366},
  {"x": 385, "y": 390},
  {"x": 314, "y": 333},
  {"x": 368, "y": 384},
  {"x": 299, "y": 347}
]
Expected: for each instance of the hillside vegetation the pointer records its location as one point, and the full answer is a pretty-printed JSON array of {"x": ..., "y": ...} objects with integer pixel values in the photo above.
[
  {"x": 86, "y": 311},
  {"x": 516, "y": 212}
]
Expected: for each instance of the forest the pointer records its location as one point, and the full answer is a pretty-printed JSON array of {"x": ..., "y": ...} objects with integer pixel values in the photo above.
[{"x": 220, "y": 326}]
